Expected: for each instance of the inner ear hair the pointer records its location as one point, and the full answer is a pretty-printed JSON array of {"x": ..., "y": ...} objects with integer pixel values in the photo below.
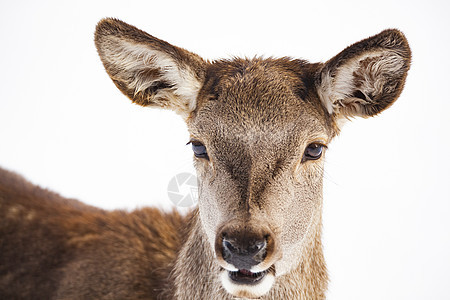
[
  {"x": 366, "y": 77},
  {"x": 149, "y": 71}
]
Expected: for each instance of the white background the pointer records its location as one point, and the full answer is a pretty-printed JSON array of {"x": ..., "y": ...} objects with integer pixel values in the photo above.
[{"x": 65, "y": 126}]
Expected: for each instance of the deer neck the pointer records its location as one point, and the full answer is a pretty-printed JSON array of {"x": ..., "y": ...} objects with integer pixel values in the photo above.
[{"x": 195, "y": 272}]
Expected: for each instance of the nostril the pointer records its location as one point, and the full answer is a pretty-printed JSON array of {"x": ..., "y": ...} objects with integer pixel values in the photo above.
[
  {"x": 260, "y": 251},
  {"x": 228, "y": 245},
  {"x": 228, "y": 249},
  {"x": 258, "y": 246}
]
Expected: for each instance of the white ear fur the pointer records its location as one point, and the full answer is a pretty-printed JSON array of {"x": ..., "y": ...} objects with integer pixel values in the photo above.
[
  {"x": 367, "y": 74},
  {"x": 149, "y": 71},
  {"x": 365, "y": 78},
  {"x": 148, "y": 67}
]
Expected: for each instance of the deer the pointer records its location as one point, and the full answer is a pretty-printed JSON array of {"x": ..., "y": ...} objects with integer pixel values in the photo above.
[{"x": 259, "y": 130}]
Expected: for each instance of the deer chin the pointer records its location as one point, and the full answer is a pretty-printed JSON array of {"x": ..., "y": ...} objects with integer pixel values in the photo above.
[{"x": 247, "y": 284}]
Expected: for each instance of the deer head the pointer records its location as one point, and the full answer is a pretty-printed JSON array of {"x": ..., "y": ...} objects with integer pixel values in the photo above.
[{"x": 259, "y": 131}]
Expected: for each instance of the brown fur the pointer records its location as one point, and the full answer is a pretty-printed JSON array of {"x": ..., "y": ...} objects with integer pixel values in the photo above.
[
  {"x": 57, "y": 248},
  {"x": 255, "y": 117}
]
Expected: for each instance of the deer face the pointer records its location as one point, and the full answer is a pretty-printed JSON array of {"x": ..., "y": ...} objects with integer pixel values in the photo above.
[
  {"x": 259, "y": 130},
  {"x": 259, "y": 139}
]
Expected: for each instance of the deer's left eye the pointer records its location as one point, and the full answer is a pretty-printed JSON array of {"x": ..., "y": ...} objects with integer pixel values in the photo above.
[
  {"x": 199, "y": 150},
  {"x": 313, "y": 152}
]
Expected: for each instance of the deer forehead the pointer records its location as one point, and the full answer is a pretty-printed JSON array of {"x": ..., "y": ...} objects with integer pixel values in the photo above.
[{"x": 258, "y": 104}]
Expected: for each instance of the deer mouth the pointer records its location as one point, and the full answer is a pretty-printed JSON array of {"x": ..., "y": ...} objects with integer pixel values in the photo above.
[
  {"x": 246, "y": 276},
  {"x": 246, "y": 284}
]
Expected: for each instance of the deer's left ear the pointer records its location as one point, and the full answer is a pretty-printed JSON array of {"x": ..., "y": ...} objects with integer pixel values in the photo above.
[{"x": 366, "y": 77}]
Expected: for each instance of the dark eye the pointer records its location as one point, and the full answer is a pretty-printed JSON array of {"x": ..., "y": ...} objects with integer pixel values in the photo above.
[
  {"x": 199, "y": 150},
  {"x": 313, "y": 152}
]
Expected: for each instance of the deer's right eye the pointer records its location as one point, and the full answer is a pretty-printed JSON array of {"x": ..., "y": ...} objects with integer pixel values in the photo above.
[{"x": 199, "y": 150}]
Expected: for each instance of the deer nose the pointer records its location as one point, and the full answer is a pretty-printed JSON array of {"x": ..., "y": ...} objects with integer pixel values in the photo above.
[
  {"x": 243, "y": 254},
  {"x": 244, "y": 246}
]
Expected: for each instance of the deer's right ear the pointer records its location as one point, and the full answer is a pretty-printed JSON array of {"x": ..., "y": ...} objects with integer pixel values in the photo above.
[
  {"x": 365, "y": 78},
  {"x": 149, "y": 71}
]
